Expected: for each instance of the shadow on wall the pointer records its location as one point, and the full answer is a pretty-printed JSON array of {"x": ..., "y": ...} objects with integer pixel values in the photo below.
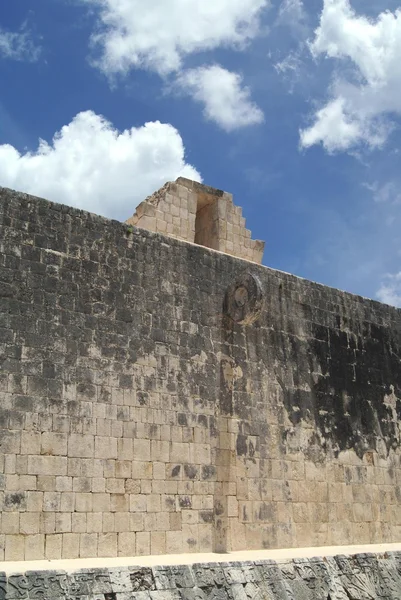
[
  {"x": 243, "y": 305},
  {"x": 225, "y": 456}
]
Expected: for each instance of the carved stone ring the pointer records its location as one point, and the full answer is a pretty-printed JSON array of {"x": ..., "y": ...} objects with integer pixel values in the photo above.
[{"x": 244, "y": 299}]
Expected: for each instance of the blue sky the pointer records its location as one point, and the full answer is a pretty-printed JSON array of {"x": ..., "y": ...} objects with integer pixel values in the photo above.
[{"x": 293, "y": 107}]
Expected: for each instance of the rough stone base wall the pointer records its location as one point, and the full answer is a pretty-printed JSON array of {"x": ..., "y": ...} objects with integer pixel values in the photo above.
[{"x": 360, "y": 577}]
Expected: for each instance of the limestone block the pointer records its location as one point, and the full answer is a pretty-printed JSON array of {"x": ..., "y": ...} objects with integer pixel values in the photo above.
[
  {"x": 63, "y": 522},
  {"x": 174, "y": 542},
  {"x": 122, "y": 521},
  {"x": 28, "y": 523},
  {"x": 101, "y": 502},
  {"x": 108, "y": 520},
  {"x": 10, "y": 522},
  {"x": 70, "y": 545},
  {"x": 53, "y": 444},
  {"x": 48, "y": 522},
  {"x": 78, "y": 522},
  {"x": 53, "y": 546},
  {"x": 105, "y": 447},
  {"x": 94, "y": 522},
  {"x": 52, "y": 501},
  {"x": 107, "y": 544},
  {"x": 142, "y": 450},
  {"x": 47, "y": 465},
  {"x": 83, "y": 502},
  {"x": 30, "y": 442},
  {"x": 14, "y": 547},
  {"x": 88, "y": 545},
  {"x": 126, "y": 544},
  {"x": 34, "y": 547},
  {"x": 143, "y": 543}
]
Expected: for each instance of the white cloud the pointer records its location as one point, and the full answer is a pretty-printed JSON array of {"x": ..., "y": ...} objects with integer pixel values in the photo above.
[
  {"x": 360, "y": 109},
  {"x": 158, "y": 34},
  {"x": 18, "y": 45},
  {"x": 292, "y": 14},
  {"x": 387, "y": 192},
  {"x": 332, "y": 128},
  {"x": 91, "y": 165},
  {"x": 290, "y": 64},
  {"x": 226, "y": 101},
  {"x": 390, "y": 292}
]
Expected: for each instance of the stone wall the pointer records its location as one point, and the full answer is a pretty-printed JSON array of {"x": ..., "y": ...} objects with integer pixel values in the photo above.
[
  {"x": 359, "y": 577},
  {"x": 159, "y": 397}
]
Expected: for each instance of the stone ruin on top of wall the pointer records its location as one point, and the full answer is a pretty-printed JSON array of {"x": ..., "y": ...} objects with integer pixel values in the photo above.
[{"x": 197, "y": 213}]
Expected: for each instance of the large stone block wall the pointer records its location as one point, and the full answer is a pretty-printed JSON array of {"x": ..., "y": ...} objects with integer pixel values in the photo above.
[{"x": 159, "y": 397}]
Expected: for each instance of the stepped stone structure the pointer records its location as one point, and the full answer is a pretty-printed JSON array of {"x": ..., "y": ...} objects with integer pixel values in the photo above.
[
  {"x": 193, "y": 212},
  {"x": 161, "y": 392}
]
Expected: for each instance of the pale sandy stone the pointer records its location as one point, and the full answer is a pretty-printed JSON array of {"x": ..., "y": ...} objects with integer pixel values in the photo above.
[
  {"x": 108, "y": 522},
  {"x": 70, "y": 546},
  {"x": 115, "y": 486},
  {"x": 53, "y": 546},
  {"x": 52, "y": 501},
  {"x": 143, "y": 543},
  {"x": 10, "y": 522},
  {"x": 63, "y": 484},
  {"x": 153, "y": 503},
  {"x": 158, "y": 542},
  {"x": 105, "y": 447},
  {"x": 88, "y": 545},
  {"x": 63, "y": 522},
  {"x": 14, "y": 547},
  {"x": 53, "y": 443},
  {"x": 30, "y": 442},
  {"x": 138, "y": 502},
  {"x": 119, "y": 502},
  {"x": 83, "y": 502},
  {"x": 29, "y": 523},
  {"x": 34, "y": 547},
  {"x": 48, "y": 522},
  {"x": 47, "y": 465},
  {"x": 78, "y": 522},
  {"x": 174, "y": 542},
  {"x": 107, "y": 544},
  {"x": 126, "y": 544},
  {"x": 101, "y": 502},
  {"x": 94, "y": 522}
]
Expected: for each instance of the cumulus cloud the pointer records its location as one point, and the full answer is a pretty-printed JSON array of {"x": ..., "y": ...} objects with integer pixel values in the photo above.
[
  {"x": 18, "y": 45},
  {"x": 390, "y": 290},
  {"x": 157, "y": 35},
  {"x": 226, "y": 101},
  {"x": 360, "y": 107},
  {"x": 91, "y": 165}
]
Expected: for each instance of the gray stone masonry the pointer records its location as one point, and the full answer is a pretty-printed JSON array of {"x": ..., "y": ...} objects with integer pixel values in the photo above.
[
  {"x": 159, "y": 397},
  {"x": 359, "y": 577}
]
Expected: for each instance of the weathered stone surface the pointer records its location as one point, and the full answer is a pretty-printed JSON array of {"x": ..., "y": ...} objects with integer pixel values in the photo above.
[
  {"x": 141, "y": 413},
  {"x": 359, "y": 577}
]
